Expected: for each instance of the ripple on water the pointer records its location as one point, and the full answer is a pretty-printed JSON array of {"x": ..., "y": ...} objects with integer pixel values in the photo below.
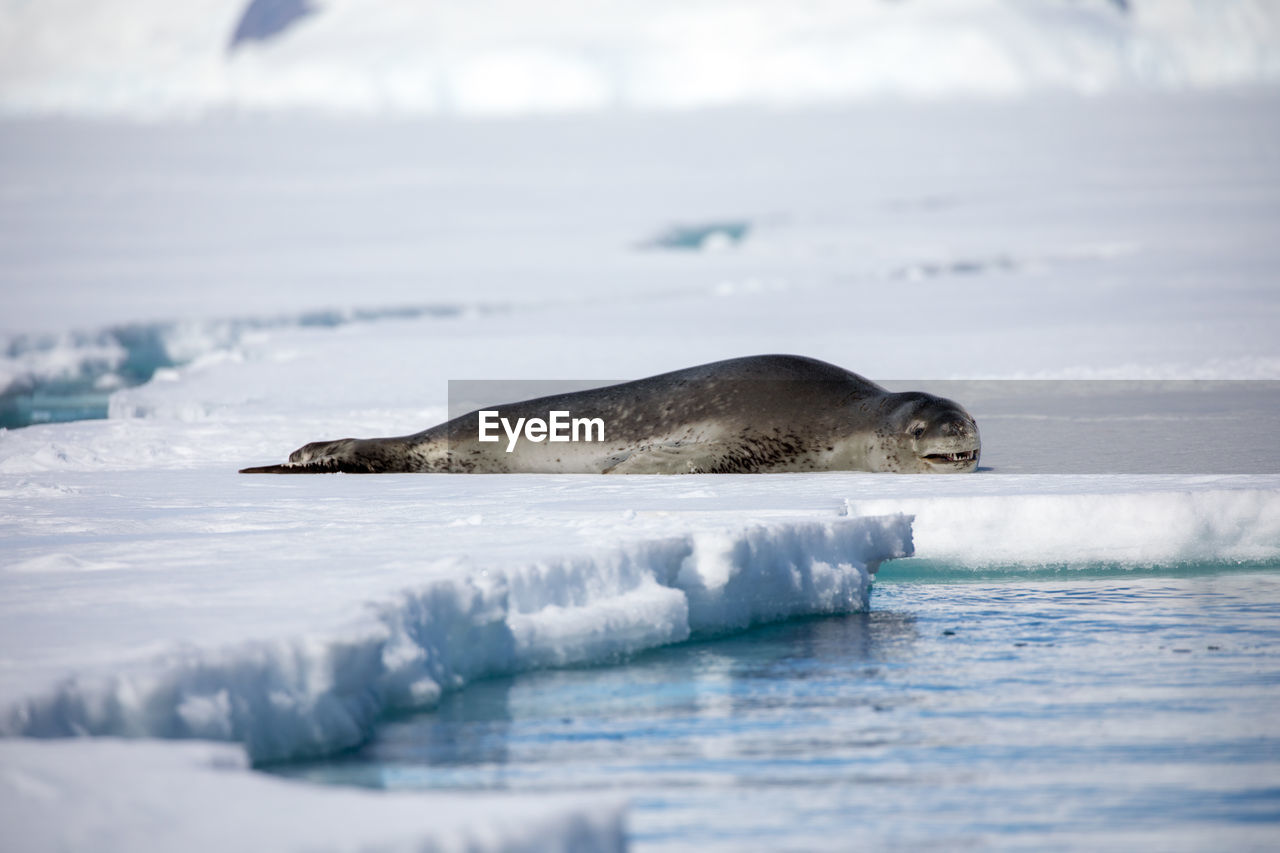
[{"x": 1055, "y": 712}]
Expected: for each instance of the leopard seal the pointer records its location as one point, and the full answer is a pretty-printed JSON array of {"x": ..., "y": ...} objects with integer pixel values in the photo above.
[{"x": 764, "y": 413}]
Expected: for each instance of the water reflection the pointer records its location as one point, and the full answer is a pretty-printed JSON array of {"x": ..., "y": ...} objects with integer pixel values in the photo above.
[
  {"x": 673, "y": 715},
  {"x": 1112, "y": 712}
]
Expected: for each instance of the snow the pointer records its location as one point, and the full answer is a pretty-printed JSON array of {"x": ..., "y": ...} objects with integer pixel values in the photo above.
[
  {"x": 500, "y": 58},
  {"x": 283, "y": 278},
  {"x": 1088, "y": 236},
  {"x": 1090, "y": 520},
  {"x": 122, "y": 797}
]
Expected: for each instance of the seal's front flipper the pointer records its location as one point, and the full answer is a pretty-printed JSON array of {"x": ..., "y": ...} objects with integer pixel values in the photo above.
[{"x": 671, "y": 458}]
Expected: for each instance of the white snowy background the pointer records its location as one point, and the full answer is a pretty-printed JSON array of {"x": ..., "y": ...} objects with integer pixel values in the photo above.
[
  {"x": 505, "y": 57},
  {"x": 320, "y": 229}
]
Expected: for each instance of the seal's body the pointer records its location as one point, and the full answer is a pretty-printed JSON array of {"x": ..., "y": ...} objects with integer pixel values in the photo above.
[{"x": 757, "y": 414}]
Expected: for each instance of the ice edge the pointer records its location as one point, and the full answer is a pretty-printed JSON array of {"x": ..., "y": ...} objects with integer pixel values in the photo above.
[{"x": 306, "y": 696}]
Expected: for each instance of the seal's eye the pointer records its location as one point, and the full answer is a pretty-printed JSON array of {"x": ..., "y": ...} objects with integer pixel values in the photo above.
[{"x": 917, "y": 430}]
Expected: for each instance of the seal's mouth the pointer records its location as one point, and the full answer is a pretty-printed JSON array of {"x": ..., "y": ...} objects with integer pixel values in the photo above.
[{"x": 962, "y": 458}]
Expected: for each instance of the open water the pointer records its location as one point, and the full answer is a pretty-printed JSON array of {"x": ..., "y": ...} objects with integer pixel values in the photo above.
[{"x": 1036, "y": 708}]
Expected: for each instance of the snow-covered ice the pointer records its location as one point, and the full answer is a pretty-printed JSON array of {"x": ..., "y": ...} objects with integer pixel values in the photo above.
[
  {"x": 391, "y": 596},
  {"x": 111, "y": 795}
]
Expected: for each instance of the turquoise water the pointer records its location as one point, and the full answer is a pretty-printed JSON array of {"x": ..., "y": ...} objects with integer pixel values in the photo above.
[
  {"x": 1056, "y": 710},
  {"x": 94, "y": 364}
]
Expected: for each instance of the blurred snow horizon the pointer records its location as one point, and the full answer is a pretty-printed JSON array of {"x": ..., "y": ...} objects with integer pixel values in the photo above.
[{"x": 147, "y": 59}]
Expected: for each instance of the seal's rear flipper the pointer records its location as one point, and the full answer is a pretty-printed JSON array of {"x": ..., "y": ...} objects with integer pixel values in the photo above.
[{"x": 315, "y": 466}]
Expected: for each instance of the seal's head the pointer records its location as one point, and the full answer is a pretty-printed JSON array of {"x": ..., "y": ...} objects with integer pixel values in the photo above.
[{"x": 924, "y": 434}]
